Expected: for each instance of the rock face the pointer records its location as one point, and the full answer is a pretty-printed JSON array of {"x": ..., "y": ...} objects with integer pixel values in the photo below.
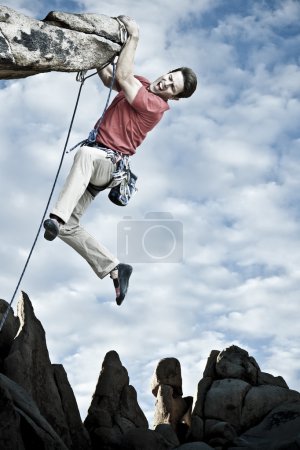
[
  {"x": 114, "y": 409},
  {"x": 171, "y": 407},
  {"x": 237, "y": 406},
  {"x": 8, "y": 332},
  {"x": 28, "y": 365},
  {"x": 234, "y": 400},
  {"x": 61, "y": 42},
  {"x": 22, "y": 425}
]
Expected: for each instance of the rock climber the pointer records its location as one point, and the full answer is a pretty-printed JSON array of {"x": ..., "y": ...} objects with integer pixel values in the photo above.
[{"x": 136, "y": 109}]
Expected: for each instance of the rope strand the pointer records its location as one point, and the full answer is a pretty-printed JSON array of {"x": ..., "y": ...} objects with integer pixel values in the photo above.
[{"x": 80, "y": 77}]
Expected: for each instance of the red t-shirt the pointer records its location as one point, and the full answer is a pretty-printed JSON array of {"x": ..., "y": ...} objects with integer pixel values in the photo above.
[{"x": 126, "y": 125}]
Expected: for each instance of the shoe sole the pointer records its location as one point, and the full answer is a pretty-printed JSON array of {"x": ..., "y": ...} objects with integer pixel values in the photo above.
[{"x": 51, "y": 230}]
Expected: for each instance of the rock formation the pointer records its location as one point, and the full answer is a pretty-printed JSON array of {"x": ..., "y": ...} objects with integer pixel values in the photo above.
[
  {"x": 171, "y": 407},
  {"x": 26, "y": 362},
  {"x": 22, "y": 425},
  {"x": 235, "y": 401},
  {"x": 236, "y": 407},
  {"x": 114, "y": 409},
  {"x": 61, "y": 42}
]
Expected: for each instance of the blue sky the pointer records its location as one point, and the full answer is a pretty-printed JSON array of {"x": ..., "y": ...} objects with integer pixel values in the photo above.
[{"x": 225, "y": 163}]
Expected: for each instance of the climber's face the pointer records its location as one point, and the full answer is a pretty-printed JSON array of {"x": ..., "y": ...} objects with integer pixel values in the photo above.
[{"x": 168, "y": 86}]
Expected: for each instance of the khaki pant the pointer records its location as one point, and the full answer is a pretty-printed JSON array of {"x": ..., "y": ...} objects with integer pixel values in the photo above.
[{"x": 90, "y": 166}]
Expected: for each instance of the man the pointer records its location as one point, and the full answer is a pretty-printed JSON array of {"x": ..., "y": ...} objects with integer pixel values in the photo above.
[{"x": 136, "y": 109}]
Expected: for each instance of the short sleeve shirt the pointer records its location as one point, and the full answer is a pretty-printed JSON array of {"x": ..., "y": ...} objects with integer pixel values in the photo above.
[{"x": 125, "y": 125}]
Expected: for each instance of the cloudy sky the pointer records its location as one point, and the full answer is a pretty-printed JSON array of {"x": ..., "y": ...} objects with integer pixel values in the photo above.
[{"x": 219, "y": 257}]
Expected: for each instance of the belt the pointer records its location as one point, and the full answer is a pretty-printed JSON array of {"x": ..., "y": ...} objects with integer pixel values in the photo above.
[
  {"x": 114, "y": 155},
  {"x": 97, "y": 144}
]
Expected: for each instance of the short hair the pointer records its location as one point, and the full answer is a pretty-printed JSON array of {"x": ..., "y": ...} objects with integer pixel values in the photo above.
[{"x": 189, "y": 80}]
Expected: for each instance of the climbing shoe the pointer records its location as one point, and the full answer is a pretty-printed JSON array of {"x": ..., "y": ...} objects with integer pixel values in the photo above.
[
  {"x": 51, "y": 229},
  {"x": 122, "y": 281}
]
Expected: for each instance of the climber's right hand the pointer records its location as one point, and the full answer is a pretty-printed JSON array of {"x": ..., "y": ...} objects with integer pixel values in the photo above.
[{"x": 130, "y": 25}]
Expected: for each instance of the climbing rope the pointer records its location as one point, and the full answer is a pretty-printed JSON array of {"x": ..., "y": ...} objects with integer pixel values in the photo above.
[
  {"x": 93, "y": 134},
  {"x": 81, "y": 78}
]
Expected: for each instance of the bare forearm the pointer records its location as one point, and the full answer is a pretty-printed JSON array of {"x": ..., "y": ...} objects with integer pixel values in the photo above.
[
  {"x": 125, "y": 78},
  {"x": 105, "y": 75},
  {"x": 125, "y": 62},
  {"x": 126, "y": 58}
]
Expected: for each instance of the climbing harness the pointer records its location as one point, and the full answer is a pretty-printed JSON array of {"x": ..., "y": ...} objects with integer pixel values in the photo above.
[
  {"x": 122, "y": 193},
  {"x": 81, "y": 78}
]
